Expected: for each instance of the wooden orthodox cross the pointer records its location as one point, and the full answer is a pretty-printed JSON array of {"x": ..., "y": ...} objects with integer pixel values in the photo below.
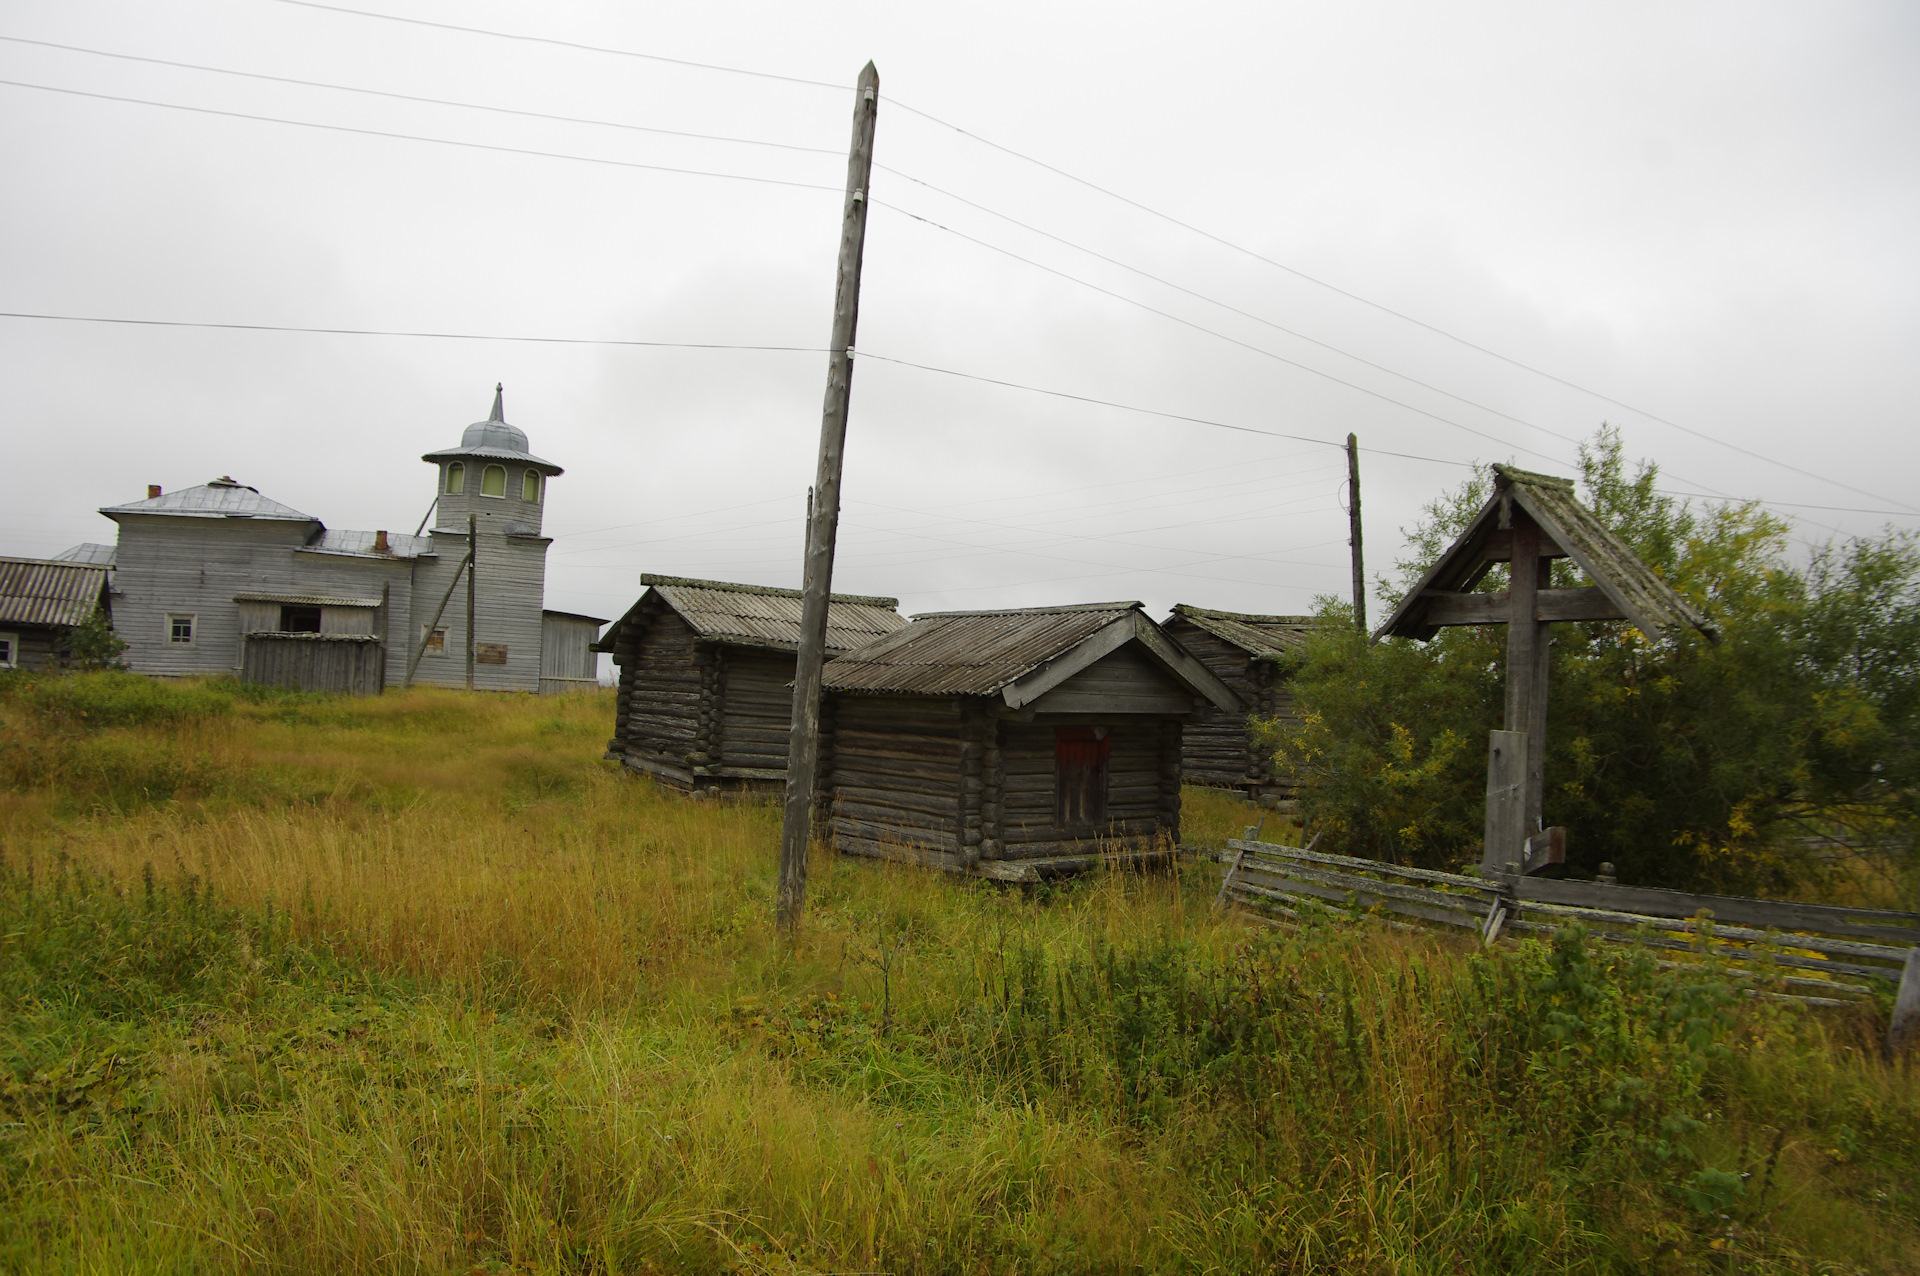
[{"x": 1530, "y": 520}]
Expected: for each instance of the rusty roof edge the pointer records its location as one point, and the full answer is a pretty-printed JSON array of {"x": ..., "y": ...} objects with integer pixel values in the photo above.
[{"x": 765, "y": 591}]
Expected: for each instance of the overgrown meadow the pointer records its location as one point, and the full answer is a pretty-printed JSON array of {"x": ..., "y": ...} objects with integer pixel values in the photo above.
[{"x": 420, "y": 984}]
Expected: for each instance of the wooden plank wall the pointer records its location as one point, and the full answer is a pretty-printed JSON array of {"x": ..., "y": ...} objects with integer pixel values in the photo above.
[
  {"x": 896, "y": 778},
  {"x": 512, "y": 585},
  {"x": 309, "y": 664}
]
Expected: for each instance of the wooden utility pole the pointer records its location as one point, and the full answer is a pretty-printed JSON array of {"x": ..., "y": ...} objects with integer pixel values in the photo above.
[
  {"x": 803, "y": 751},
  {"x": 473, "y": 566},
  {"x": 1353, "y": 534}
]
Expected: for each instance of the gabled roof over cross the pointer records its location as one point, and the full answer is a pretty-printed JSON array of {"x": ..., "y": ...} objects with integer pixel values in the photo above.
[{"x": 1624, "y": 587}]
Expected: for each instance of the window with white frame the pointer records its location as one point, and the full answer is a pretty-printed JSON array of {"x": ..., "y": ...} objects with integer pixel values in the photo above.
[
  {"x": 180, "y": 628},
  {"x": 9, "y": 651},
  {"x": 435, "y": 643}
]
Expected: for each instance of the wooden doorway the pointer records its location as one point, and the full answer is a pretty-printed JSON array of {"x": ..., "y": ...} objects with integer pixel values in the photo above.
[{"x": 1080, "y": 777}]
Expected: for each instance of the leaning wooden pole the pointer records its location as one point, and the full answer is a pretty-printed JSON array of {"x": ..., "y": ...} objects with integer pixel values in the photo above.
[
  {"x": 803, "y": 751},
  {"x": 1353, "y": 534},
  {"x": 473, "y": 564}
]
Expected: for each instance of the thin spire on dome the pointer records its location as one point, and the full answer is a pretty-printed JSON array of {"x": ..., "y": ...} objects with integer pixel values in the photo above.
[{"x": 499, "y": 402}]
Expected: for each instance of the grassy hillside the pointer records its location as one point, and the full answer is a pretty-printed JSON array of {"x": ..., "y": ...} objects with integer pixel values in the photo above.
[{"x": 419, "y": 984}]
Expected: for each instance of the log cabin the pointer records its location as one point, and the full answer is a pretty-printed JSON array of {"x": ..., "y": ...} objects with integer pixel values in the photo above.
[
  {"x": 705, "y": 676},
  {"x": 1250, "y": 653},
  {"x": 1013, "y": 744}
]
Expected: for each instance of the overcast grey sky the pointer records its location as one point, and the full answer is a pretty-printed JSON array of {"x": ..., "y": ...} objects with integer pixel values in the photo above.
[{"x": 1705, "y": 211}]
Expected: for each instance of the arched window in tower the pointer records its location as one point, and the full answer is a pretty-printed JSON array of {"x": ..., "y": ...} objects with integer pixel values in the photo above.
[
  {"x": 456, "y": 478},
  {"x": 530, "y": 486},
  {"x": 493, "y": 481}
]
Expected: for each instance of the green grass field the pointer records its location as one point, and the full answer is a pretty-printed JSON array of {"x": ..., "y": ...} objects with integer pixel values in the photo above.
[{"x": 420, "y": 984}]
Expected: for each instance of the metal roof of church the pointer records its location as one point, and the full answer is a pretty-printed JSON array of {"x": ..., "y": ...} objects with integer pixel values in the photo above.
[{"x": 223, "y": 497}]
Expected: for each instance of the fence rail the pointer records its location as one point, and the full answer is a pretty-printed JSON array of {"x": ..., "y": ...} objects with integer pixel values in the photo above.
[{"x": 1812, "y": 953}]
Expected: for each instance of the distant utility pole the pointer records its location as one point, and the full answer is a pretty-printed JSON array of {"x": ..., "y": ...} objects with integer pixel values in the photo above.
[
  {"x": 803, "y": 752},
  {"x": 473, "y": 567},
  {"x": 1353, "y": 534}
]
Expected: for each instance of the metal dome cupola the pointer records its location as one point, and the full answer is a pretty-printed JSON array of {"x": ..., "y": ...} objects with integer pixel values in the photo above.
[
  {"x": 494, "y": 439},
  {"x": 491, "y": 476}
]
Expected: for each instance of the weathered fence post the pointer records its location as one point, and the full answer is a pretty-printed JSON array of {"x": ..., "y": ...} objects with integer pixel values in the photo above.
[
  {"x": 1506, "y": 799},
  {"x": 1906, "y": 1004}
]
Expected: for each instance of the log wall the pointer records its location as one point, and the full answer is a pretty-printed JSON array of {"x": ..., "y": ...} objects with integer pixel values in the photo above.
[
  {"x": 659, "y": 724},
  {"x": 1219, "y": 748},
  {"x": 756, "y": 709},
  {"x": 897, "y": 776}
]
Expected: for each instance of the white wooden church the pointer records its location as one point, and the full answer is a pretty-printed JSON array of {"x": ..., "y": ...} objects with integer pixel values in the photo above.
[{"x": 202, "y": 574}]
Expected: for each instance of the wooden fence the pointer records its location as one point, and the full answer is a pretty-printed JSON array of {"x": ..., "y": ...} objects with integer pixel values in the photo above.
[
  {"x": 349, "y": 664},
  {"x": 1812, "y": 953}
]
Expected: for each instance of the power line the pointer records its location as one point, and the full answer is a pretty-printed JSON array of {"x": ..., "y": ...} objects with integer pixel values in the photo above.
[
  {"x": 1385, "y": 309},
  {"x": 1145, "y": 208},
  {"x": 570, "y": 44},
  {"x": 430, "y": 101},
  {"x": 415, "y": 137},
  {"x": 864, "y": 354},
  {"x": 1202, "y": 328},
  {"x": 390, "y": 332},
  {"x": 1215, "y": 301},
  {"x": 1129, "y": 407}
]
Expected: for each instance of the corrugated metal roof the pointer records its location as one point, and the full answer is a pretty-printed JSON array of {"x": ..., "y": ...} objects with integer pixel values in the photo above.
[
  {"x": 37, "y": 591},
  {"x": 970, "y": 652},
  {"x": 90, "y": 552},
  {"x": 1263, "y": 637},
  {"x": 220, "y": 498},
  {"x": 360, "y": 544},
  {"x": 1653, "y": 605},
  {"x": 762, "y": 616},
  {"x": 307, "y": 600},
  {"x": 574, "y": 615}
]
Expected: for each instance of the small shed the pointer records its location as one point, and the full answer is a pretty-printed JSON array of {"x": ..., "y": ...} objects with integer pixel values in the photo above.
[
  {"x": 1249, "y": 653},
  {"x": 39, "y": 601},
  {"x": 1013, "y": 744},
  {"x": 568, "y": 661},
  {"x": 705, "y": 674}
]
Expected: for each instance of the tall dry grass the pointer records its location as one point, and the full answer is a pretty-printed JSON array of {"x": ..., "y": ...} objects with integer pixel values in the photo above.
[{"x": 422, "y": 985}]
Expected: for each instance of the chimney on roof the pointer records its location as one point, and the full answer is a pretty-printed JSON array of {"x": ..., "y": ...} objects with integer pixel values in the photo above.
[
  {"x": 153, "y": 490},
  {"x": 380, "y": 545}
]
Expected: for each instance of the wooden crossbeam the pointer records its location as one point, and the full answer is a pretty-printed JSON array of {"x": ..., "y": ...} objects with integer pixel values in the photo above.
[{"x": 1590, "y": 603}]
